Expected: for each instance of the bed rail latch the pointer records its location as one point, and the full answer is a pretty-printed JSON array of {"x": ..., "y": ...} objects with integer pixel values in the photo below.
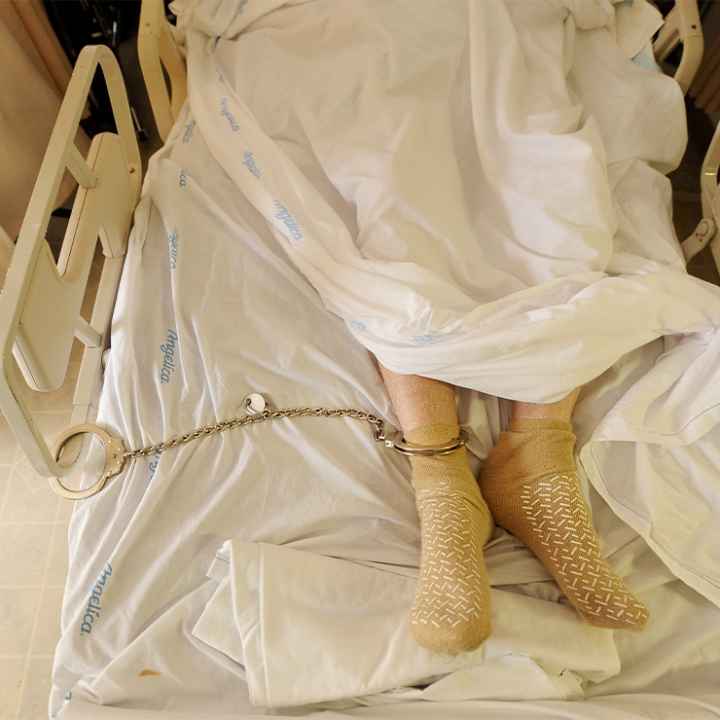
[{"x": 700, "y": 238}]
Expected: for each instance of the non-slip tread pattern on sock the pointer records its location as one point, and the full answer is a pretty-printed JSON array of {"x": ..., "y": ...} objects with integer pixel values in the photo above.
[
  {"x": 559, "y": 530},
  {"x": 533, "y": 491}
]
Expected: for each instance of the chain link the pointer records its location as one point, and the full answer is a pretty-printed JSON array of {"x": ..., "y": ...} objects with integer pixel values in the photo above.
[{"x": 264, "y": 416}]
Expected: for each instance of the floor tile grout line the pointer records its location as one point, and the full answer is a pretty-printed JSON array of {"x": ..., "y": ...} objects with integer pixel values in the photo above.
[
  {"x": 28, "y": 653},
  {"x": 28, "y": 490},
  {"x": 36, "y": 620},
  {"x": 6, "y": 494}
]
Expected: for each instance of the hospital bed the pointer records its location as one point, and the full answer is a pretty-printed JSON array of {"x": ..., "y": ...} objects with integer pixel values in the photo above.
[{"x": 185, "y": 559}]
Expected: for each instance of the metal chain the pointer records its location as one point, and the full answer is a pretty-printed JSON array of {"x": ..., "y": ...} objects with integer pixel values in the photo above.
[
  {"x": 257, "y": 411},
  {"x": 264, "y": 416}
]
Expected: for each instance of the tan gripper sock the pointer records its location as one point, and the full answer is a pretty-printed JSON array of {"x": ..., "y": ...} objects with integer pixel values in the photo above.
[
  {"x": 531, "y": 486},
  {"x": 451, "y": 612}
]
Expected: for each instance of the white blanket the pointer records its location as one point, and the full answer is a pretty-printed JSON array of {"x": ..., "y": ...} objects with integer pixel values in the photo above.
[
  {"x": 469, "y": 189},
  {"x": 314, "y": 629},
  {"x": 211, "y": 307},
  {"x": 650, "y": 706},
  {"x": 476, "y": 192}
]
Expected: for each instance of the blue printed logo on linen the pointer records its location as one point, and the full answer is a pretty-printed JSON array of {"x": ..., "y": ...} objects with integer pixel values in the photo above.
[
  {"x": 172, "y": 248},
  {"x": 92, "y": 610},
  {"x": 187, "y": 135},
  {"x": 426, "y": 339},
  {"x": 225, "y": 112},
  {"x": 249, "y": 162},
  {"x": 168, "y": 350},
  {"x": 285, "y": 217},
  {"x": 152, "y": 465},
  {"x": 358, "y": 326}
]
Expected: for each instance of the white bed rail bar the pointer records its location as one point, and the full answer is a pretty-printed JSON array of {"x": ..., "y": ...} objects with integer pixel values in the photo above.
[
  {"x": 159, "y": 53},
  {"x": 40, "y": 306},
  {"x": 708, "y": 230},
  {"x": 711, "y": 192},
  {"x": 682, "y": 25}
]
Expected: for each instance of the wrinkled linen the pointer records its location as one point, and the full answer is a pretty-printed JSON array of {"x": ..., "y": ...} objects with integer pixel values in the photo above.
[{"x": 216, "y": 302}]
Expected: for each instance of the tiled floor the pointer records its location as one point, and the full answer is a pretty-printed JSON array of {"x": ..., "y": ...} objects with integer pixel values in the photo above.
[{"x": 33, "y": 564}]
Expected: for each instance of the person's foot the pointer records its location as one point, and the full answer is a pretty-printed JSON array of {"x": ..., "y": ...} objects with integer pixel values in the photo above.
[
  {"x": 531, "y": 486},
  {"x": 451, "y": 613}
]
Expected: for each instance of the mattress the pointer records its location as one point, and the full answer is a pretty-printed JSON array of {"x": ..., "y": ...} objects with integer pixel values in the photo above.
[{"x": 272, "y": 567}]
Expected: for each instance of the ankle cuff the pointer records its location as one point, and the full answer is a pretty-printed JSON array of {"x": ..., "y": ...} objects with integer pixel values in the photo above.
[{"x": 396, "y": 442}]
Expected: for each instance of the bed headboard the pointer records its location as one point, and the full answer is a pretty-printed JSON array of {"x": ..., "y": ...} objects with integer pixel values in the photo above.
[
  {"x": 40, "y": 305},
  {"x": 160, "y": 58}
]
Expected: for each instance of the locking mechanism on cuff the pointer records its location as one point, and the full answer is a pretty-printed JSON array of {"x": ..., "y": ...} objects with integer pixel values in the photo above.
[{"x": 397, "y": 442}]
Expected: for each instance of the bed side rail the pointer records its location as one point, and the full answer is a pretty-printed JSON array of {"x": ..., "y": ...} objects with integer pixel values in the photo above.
[
  {"x": 711, "y": 192},
  {"x": 40, "y": 306},
  {"x": 682, "y": 25},
  {"x": 708, "y": 230},
  {"x": 159, "y": 53}
]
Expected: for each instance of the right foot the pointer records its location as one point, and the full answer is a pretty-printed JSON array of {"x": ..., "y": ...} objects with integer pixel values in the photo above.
[{"x": 451, "y": 613}]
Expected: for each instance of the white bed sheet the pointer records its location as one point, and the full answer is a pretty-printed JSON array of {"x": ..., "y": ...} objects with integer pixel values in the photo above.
[
  {"x": 317, "y": 486},
  {"x": 646, "y": 706},
  {"x": 211, "y": 308}
]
